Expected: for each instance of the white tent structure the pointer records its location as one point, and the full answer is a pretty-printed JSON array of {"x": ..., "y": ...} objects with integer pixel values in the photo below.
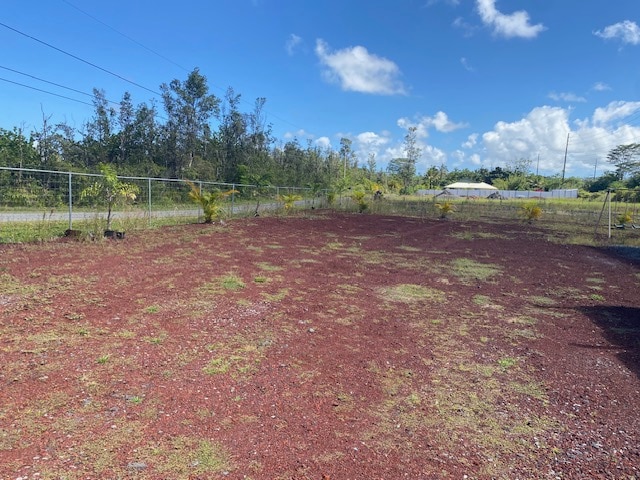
[
  {"x": 468, "y": 189},
  {"x": 470, "y": 186}
]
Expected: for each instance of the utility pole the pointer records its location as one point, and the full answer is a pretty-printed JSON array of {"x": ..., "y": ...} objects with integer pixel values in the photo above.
[
  {"x": 564, "y": 166},
  {"x": 595, "y": 168},
  {"x": 538, "y": 165}
]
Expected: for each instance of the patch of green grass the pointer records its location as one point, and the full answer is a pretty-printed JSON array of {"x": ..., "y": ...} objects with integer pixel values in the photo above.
[
  {"x": 407, "y": 248},
  {"x": 152, "y": 309},
  {"x": 23, "y": 232},
  {"x": 189, "y": 456},
  {"x": 469, "y": 235},
  {"x": 232, "y": 282},
  {"x": 521, "y": 320},
  {"x": 276, "y": 297},
  {"x": 260, "y": 279},
  {"x": 542, "y": 301},
  {"x": 102, "y": 359},
  {"x": 468, "y": 270},
  {"x": 531, "y": 389},
  {"x": 482, "y": 300},
  {"x": 596, "y": 297},
  {"x": 267, "y": 267},
  {"x": 158, "y": 339},
  {"x": 409, "y": 293},
  {"x": 594, "y": 280},
  {"x": 218, "y": 366},
  {"x": 506, "y": 363}
]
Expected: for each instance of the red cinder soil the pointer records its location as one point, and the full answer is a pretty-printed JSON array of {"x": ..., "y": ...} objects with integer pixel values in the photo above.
[{"x": 328, "y": 347}]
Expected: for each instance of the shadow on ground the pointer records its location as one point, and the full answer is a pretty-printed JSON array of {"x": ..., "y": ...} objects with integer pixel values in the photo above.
[{"x": 621, "y": 326}]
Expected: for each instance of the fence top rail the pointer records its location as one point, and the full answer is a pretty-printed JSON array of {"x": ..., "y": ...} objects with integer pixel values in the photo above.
[{"x": 157, "y": 179}]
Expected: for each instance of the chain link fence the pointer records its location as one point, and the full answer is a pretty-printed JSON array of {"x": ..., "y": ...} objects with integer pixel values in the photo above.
[{"x": 32, "y": 195}]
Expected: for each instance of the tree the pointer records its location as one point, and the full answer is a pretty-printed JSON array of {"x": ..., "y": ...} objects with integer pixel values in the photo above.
[
  {"x": 15, "y": 149},
  {"x": 232, "y": 137},
  {"x": 431, "y": 177},
  {"x": 411, "y": 148},
  {"x": 189, "y": 108},
  {"x": 99, "y": 131},
  {"x": 211, "y": 202},
  {"x": 110, "y": 190},
  {"x": 405, "y": 168},
  {"x": 346, "y": 155},
  {"x": 626, "y": 158}
]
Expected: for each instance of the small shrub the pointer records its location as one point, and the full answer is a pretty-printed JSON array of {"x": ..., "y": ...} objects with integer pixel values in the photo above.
[
  {"x": 624, "y": 218},
  {"x": 210, "y": 202},
  {"x": 445, "y": 208},
  {"x": 360, "y": 198},
  {"x": 531, "y": 211},
  {"x": 289, "y": 201},
  {"x": 110, "y": 190}
]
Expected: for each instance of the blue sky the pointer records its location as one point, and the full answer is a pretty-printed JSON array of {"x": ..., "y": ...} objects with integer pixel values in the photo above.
[{"x": 486, "y": 82}]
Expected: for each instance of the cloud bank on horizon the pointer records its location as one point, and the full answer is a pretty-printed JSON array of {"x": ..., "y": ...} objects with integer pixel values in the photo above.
[{"x": 542, "y": 132}]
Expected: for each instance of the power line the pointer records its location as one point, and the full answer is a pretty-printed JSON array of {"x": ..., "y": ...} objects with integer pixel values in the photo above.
[
  {"x": 81, "y": 59},
  {"x": 131, "y": 39},
  {"x": 46, "y": 91},
  {"x": 156, "y": 114},
  {"x": 47, "y": 81}
]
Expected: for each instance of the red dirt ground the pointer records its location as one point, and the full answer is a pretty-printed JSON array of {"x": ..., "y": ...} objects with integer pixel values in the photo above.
[{"x": 355, "y": 347}]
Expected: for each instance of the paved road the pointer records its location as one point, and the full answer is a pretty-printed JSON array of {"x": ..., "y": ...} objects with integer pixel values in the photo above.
[
  {"x": 63, "y": 216},
  {"x": 79, "y": 216}
]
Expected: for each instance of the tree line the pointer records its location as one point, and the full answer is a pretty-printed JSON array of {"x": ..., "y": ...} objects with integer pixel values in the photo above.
[{"x": 194, "y": 134}]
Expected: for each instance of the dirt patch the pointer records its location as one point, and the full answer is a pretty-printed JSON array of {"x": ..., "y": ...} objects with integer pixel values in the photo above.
[{"x": 333, "y": 346}]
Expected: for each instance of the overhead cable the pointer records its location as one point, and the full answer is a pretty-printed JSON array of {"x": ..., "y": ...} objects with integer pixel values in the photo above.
[{"x": 81, "y": 59}]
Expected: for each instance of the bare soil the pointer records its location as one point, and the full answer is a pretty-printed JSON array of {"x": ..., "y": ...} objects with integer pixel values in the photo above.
[{"x": 331, "y": 346}]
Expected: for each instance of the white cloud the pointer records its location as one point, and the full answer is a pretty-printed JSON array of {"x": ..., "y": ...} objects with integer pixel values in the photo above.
[
  {"x": 297, "y": 134},
  {"x": 471, "y": 141},
  {"x": 440, "y": 121},
  {"x": 566, "y": 97},
  {"x": 614, "y": 111},
  {"x": 372, "y": 140},
  {"x": 544, "y": 131},
  {"x": 467, "y": 66},
  {"x": 368, "y": 143},
  {"x": 357, "y": 70},
  {"x": 600, "y": 87},
  {"x": 293, "y": 42},
  {"x": 626, "y": 31},
  {"x": 323, "y": 142},
  {"x": 467, "y": 29},
  {"x": 507, "y": 25}
]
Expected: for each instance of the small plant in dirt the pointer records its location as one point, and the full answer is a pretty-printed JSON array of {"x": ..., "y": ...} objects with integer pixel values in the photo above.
[
  {"x": 506, "y": 363},
  {"x": 446, "y": 208},
  {"x": 624, "y": 218},
  {"x": 110, "y": 190},
  {"x": 102, "y": 359},
  {"x": 210, "y": 202},
  {"x": 289, "y": 201},
  {"x": 531, "y": 211},
  {"x": 360, "y": 197},
  {"x": 232, "y": 282},
  {"x": 314, "y": 188},
  {"x": 261, "y": 184}
]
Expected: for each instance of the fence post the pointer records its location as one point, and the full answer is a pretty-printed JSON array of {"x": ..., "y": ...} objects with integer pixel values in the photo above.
[
  {"x": 233, "y": 197},
  {"x": 70, "y": 204},
  {"x": 149, "y": 195}
]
